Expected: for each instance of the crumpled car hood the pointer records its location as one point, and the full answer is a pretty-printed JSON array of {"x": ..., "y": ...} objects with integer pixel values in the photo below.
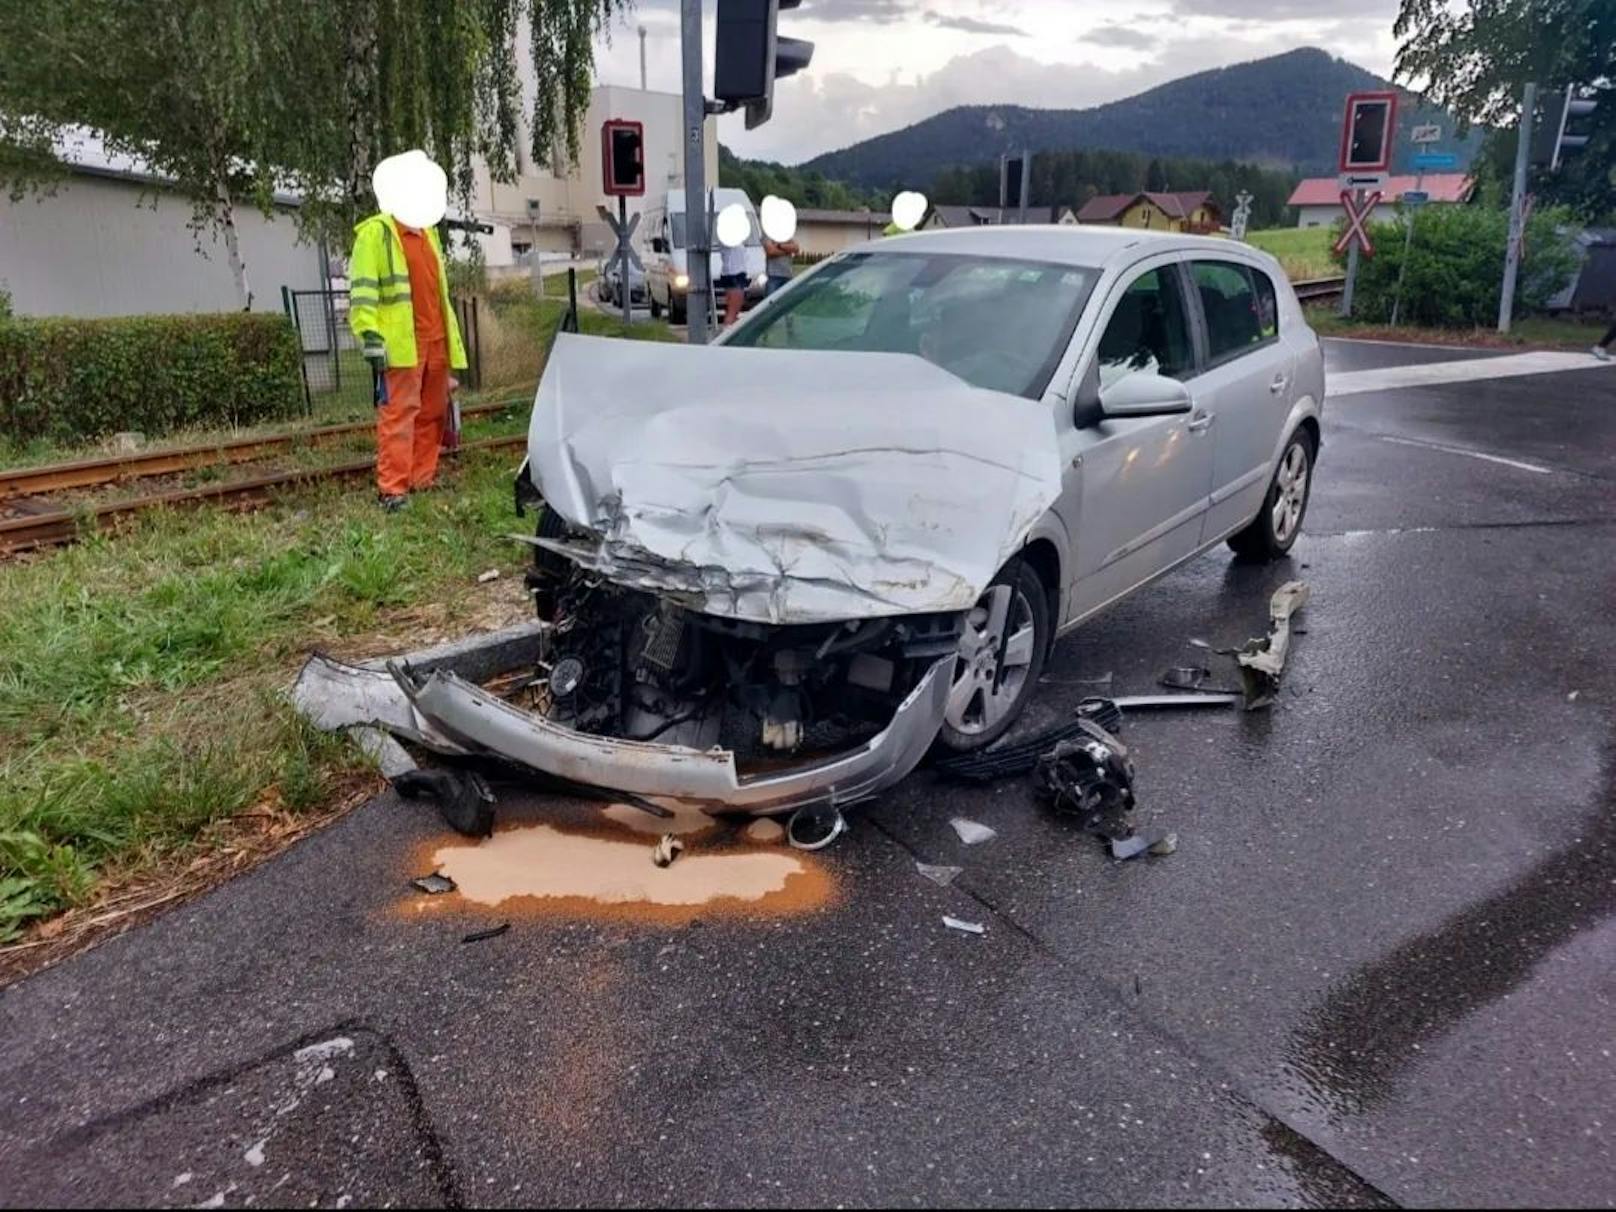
[{"x": 787, "y": 486}]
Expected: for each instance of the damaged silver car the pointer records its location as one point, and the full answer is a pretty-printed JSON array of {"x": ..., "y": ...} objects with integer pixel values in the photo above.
[{"x": 776, "y": 571}]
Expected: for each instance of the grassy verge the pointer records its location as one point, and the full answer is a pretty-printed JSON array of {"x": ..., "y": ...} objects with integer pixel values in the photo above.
[
  {"x": 1531, "y": 332},
  {"x": 1303, "y": 251},
  {"x": 141, "y": 677}
]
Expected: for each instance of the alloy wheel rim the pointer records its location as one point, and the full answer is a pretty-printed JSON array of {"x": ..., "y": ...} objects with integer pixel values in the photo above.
[
  {"x": 1292, "y": 495},
  {"x": 980, "y": 697}
]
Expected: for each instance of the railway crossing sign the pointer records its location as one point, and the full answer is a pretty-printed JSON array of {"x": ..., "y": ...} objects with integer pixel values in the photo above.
[
  {"x": 1242, "y": 215},
  {"x": 623, "y": 256},
  {"x": 1356, "y": 233}
]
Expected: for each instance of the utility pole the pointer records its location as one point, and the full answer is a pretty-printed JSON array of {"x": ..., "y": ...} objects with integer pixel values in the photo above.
[
  {"x": 698, "y": 251},
  {"x": 1512, "y": 255},
  {"x": 642, "y": 58}
]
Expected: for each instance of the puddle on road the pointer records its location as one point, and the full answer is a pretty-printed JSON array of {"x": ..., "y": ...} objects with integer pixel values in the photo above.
[{"x": 545, "y": 868}]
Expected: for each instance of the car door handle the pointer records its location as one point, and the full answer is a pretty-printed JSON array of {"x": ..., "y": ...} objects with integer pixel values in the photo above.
[
  {"x": 1278, "y": 385},
  {"x": 1201, "y": 423}
]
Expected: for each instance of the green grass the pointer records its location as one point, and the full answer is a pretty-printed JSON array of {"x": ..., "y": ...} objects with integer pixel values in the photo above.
[
  {"x": 1542, "y": 332},
  {"x": 140, "y": 677},
  {"x": 1303, "y": 251}
]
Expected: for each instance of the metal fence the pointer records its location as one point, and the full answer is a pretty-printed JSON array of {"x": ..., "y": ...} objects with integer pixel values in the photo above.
[{"x": 335, "y": 373}]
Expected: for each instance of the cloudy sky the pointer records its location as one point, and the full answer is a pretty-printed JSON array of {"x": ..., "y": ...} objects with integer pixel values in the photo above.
[{"x": 881, "y": 64}]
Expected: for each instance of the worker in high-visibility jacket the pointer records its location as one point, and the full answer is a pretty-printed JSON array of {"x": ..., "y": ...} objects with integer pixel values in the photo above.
[{"x": 398, "y": 307}]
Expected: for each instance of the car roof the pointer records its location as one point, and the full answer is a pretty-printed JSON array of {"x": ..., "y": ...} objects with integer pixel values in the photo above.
[
  {"x": 675, "y": 197},
  {"x": 1089, "y": 245}
]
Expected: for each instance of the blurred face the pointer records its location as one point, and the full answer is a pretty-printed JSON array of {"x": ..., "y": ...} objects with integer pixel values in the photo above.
[{"x": 412, "y": 189}]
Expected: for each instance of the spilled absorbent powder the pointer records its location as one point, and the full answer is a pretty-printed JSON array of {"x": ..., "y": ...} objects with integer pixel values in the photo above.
[{"x": 542, "y": 862}]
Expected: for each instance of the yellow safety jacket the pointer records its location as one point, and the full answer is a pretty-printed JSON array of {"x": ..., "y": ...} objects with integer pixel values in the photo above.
[{"x": 379, "y": 292}]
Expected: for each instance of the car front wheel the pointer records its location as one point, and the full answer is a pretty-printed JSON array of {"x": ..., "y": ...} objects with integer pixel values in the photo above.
[
  {"x": 1001, "y": 657},
  {"x": 1273, "y": 531}
]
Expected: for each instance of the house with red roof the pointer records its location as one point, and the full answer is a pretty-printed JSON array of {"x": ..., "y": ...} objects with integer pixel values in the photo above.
[
  {"x": 1190, "y": 212},
  {"x": 1318, "y": 199}
]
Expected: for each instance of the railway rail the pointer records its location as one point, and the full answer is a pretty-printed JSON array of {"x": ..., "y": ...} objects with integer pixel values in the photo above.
[{"x": 57, "y": 527}]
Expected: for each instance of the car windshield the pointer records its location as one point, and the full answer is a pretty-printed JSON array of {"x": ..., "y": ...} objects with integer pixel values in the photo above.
[
  {"x": 995, "y": 322},
  {"x": 676, "y": 221}
]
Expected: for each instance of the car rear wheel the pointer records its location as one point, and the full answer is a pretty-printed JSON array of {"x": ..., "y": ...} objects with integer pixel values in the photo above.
[
  {"x": 1001, "y": 657},
  {"x": 1273, "y": 532}
]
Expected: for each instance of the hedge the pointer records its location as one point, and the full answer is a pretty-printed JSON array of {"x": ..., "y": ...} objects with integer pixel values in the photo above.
[{"x": 69, "y": 380}]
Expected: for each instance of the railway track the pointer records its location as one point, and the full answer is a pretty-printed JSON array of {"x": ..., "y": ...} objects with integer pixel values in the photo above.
[
  {"x": 91, "y": 473},
  {"x": 55, "y": 528}
]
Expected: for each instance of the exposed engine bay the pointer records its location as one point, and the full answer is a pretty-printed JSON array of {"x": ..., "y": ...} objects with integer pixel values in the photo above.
[{"x": 625, "y": 663}]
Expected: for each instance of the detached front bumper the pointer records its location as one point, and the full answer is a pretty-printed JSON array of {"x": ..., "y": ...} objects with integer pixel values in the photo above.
[{"x": 444, "y": 712}]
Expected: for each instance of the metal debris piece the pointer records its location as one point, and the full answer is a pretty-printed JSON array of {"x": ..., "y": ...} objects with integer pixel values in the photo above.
[
  {"x": 1186, "y": 677},
  {"x": 1091, "y": 777},
  {"x": 478, "y": 936},
  {"x": 1219, "y": 698},
  {"x": 464, "y": 801},
  {"x": 1262, "y": 660},
  {"x": 954, "y": 923},
  {"x": 1142, "y": 843},
  {"x": 1004, "y": 760},
  {"x": 937, "y": 874},
  {"x": 668, "y": 849},
  {"x": 971, "y": 832},
  {"x": 491, "y": 575},
  {"x": 434, "y": 884}
]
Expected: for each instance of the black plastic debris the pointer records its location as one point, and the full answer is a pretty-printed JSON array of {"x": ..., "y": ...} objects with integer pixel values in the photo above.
[
  {"x": 463, "y": 798},
  {"x": 1090, "y": 777},
  {"x": 434, "y": 884},
  {"x": 478, "y": 936},
  {"x": 1005, "y": 761}
]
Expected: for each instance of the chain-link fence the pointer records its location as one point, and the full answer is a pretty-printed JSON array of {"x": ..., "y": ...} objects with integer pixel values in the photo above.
[{"x": 335, "y": 373}]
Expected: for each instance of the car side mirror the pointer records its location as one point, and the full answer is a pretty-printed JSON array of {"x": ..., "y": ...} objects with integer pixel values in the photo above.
[{"x": 1144, "y": 395}]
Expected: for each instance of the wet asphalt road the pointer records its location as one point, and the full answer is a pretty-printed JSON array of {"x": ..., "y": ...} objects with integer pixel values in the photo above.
[{"x": 1378, "y": 969}]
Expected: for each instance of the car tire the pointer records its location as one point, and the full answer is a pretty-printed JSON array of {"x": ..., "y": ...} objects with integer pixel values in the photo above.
[
  {"x": 1272, "y": 533},
  {"x": 656, "y": 308},
  {"x": 978, "y": 713},
  {"x": 677, "y": 311}
]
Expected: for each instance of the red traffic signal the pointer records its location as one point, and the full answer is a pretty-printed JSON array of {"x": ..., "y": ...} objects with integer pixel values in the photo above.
[{"x": 622, "y": 158}]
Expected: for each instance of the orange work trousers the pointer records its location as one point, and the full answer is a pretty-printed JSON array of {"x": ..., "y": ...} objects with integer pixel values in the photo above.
[{"x": 409, "y": 427}]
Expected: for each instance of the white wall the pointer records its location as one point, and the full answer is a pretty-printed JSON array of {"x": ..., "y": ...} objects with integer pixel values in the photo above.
[{"x": 96, "y": 247}]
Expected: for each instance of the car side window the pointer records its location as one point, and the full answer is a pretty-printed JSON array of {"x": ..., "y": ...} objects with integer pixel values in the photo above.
[
  {"x": 1149, "y": 330},
  {"x": 1239, "y": 304}
]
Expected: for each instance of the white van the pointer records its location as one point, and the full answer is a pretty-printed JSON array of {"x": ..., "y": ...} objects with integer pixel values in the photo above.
[{"x": 666, "y": 268}]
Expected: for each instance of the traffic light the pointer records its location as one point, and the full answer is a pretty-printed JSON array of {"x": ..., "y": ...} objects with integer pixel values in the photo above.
[
  {"x": 622, "y": 158},
  {"x": 749, "y": 56},
  {"x": 1551, "y": 139}
]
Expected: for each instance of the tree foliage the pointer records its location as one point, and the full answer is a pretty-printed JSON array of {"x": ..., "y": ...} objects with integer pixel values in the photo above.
[
  {"x": 1475, "y": 57},
  {"x": 1455, "y": 263},
  {"x": 232, "y": 99},
  {"x": 1072, "y": 178},
  {"x": 802, "y": 187}
]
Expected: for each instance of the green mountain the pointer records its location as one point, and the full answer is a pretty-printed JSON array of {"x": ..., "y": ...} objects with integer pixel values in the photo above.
[{"x": 1283, "y": 112}]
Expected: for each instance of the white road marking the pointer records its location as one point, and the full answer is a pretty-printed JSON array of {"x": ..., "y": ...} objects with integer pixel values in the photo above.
[
  {"x": 1467, "y": 452},
  {"x": 1426, "y": 374}
]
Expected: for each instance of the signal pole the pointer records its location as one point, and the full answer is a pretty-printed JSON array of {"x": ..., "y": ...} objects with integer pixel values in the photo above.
[
  {"x": 1517, "y": 198},
  {"x": 698, "y": 253}
]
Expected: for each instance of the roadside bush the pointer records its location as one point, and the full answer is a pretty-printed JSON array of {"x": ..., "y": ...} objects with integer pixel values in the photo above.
[
  {"x": 69, "y": 380},
  {"x": 1456, "y": 267}
]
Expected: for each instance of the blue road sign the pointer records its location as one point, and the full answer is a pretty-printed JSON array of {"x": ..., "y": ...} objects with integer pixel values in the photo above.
[
  {"x": 1436, "y": 160},
  {"x": 1415, "y": 197}
]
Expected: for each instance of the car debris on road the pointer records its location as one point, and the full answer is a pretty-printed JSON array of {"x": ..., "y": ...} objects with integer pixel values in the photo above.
[
  {"x": 973, "y": 833},
  {"x": 964, "y": 927},
  {"x": 434, "y": 884}
]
